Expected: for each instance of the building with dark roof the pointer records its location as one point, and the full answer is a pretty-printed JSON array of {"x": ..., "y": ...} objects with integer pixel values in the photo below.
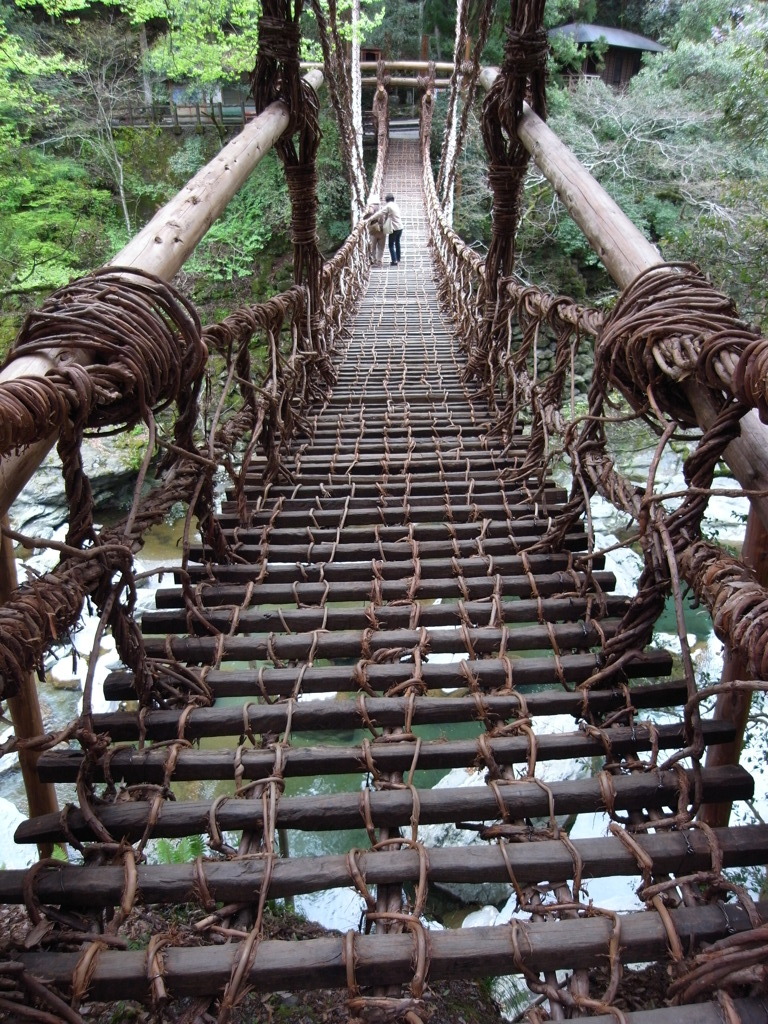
[{"x": 623, "y": 53}]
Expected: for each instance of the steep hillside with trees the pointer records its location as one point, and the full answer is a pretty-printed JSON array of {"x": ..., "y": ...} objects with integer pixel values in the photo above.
[
  {"x": 77, "y": 178},
  {"x": 684, "y": 151}
]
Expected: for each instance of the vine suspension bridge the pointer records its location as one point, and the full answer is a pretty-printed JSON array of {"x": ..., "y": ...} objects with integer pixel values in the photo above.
[{"x": 391, "y": 533}]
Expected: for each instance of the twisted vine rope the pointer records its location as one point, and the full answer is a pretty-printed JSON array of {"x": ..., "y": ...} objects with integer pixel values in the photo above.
[
  {"x": 463, "y": 80},
  {"x": 340, "y": 89}
]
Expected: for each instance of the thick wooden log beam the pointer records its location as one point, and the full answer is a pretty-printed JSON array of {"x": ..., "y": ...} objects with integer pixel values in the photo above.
[
  {"x": 394, "y": 808},
  {"x": 388, "y": 958},
  {"x": 232, "y": 881},
  {"x": 749, "y": 1011},
  {"x": 626, "y": 252},
  {"x": 391, "y": 65},
  {"x": 408, "y": 82},
  {"x": 161, "y": 248}
]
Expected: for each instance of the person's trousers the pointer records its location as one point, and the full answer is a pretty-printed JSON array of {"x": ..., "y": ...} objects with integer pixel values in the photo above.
[{"x": 394, "y": 245}]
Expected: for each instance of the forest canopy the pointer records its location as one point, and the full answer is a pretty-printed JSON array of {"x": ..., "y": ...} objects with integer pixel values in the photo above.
[{"x": 683, "y": 148}]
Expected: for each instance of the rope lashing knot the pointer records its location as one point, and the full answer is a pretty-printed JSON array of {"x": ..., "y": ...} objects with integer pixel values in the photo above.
[
  {"x": 504, "y": 180},
  {"x": 302, "y": 185},
  {"x": 525, "y": 53},
  {"x": 279, "y": 41},
  {"x": 143, "y": 345},
  {"x": 670, "y": 325}
]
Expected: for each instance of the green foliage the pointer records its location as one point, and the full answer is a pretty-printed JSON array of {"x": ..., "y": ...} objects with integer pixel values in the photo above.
[
  {"x": 188, "y": 159},
  {"x": 626, "y": 14},
  {"x": 207, "y": 41},
  {"x": 332, "y": 188},
  {"x": 132, "y": 445},
  {"x": 700, "y": 72},
  {"x": 180, "y": 851},
  {"x": 75, "y": 193},
  {"x": 558, "y": 12},
  {"x": 683, "y": 151},
  {"x": 51, "y": 220},
  {"x": 23, "y": 66},
  {"x": 745, "y": 107},
  {"x": 567, "y": 56},
  {"x": 676, "y": 21},
  {"x": 400, "y": 28},
  {"x": 257, "y": 212}
]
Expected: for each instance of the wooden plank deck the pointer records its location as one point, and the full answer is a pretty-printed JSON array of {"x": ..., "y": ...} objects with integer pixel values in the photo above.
[{"x": 391, "y": 569}]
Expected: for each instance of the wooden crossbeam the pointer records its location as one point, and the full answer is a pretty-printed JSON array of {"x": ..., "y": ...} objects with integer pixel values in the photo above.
[
  {"x": 388, "y": 959},
  {"x": 434, "y": 568},
  {"x": 149, "y": 763},
  {"x": 233, "y": 881},
  {"x": 445, "y": 588},
  {"x": 396, "y": 808},
  {"x": 354, "y": 643},
  {"x": 490, "y": 673},
  {"x": 389, "y": 617},
  {"x": 336, "y": 715}
]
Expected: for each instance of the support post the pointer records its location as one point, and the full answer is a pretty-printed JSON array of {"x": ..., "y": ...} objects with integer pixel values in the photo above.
[
  {"x": 24, "y": 709},
  {"x": 734, "y": 707}
]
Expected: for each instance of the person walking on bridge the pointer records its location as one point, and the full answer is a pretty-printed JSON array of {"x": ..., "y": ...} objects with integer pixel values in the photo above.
[
  {"x": 391, "y": 220},
  {"x": 376, "y": 231},
  {"x": 394, "y": 221}
]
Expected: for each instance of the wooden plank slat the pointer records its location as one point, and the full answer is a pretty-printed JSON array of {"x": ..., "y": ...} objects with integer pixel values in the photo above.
[
  {"x": 490, "y": 673},
  {"x": 388, "y": 959},
  {"x": 477, "y": 587},
  {"x": 232, "y": 881},
  {"x": 433, "y": 568},
  {"x": 161, "y": 724},
  {"x": 366, "y": 643},
  {"x": 393, "y": 808},
  {"x": 420, "y": 494},
  {"x": 254, "y": 620},
  {"x": 396, "y": 489},
  {"x": 149, "y": 764},
  {"x": 373, "y": 533},
  {"x": 320, "y": 552},
  {"x": 394, "y": 514}
]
